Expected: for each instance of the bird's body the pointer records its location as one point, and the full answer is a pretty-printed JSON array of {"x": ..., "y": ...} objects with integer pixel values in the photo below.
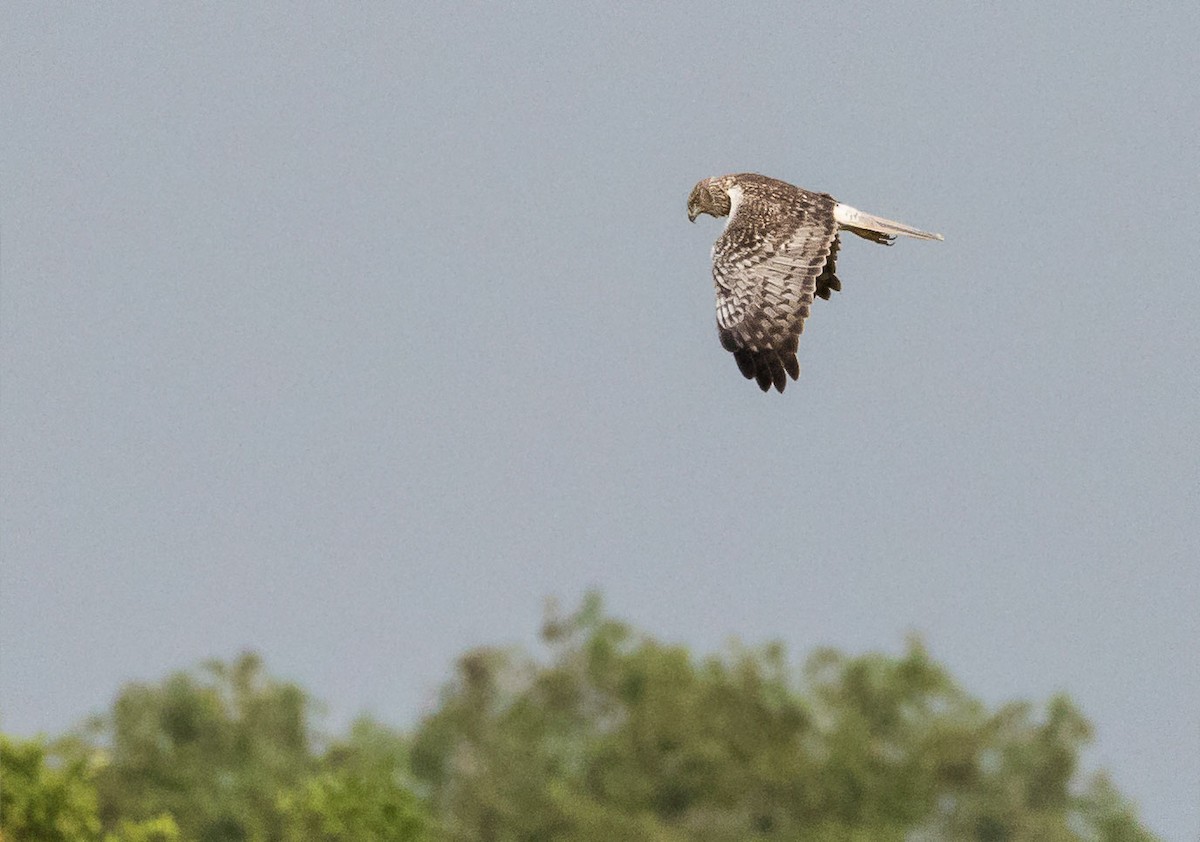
[{"x": 778, "y": 251}]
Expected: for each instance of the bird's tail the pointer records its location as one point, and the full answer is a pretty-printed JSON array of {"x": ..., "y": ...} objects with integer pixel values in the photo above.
[{"x": 876, "y": 228}]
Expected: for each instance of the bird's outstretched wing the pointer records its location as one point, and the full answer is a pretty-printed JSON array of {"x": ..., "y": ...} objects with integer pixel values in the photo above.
[{"x": 772, "y": 258}]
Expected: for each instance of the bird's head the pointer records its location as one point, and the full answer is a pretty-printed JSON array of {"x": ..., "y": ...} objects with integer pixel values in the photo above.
[{"x": 708, "y": 197}]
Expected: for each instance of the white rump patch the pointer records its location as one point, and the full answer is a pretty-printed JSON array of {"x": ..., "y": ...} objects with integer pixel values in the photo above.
[{"x": 846, "y": 215}]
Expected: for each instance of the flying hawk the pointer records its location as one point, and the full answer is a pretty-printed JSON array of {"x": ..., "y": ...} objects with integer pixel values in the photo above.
[{"x": 777, "y": 251}]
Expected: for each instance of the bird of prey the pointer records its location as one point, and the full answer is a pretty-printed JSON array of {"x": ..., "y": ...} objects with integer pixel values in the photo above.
[{"x": 777, "y": 252}]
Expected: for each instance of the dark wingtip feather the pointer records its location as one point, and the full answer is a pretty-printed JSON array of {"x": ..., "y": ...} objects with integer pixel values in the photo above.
[
  {"x": 746, "y": 364},
  {"x": 827, "y": 286},
  {"x": 778, "y": 375},
  {"x": 792, "y": 364},
  {"x": 763, "y": 376},
  {"x": 768, "y": 369}
]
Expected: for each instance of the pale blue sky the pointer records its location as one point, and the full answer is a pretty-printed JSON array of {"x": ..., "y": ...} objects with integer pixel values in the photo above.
[{"x": 351, "y": 335}]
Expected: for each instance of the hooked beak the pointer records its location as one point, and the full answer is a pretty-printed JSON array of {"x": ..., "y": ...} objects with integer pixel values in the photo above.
[{"x": 692, "y": 215}]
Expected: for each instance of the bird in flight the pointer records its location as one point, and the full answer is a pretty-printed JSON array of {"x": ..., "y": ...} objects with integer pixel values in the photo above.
[{"x": 777, "y": 252}]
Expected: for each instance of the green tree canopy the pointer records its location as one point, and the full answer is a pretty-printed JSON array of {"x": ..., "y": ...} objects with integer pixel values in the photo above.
[
  {"x": 611, "y": 736},
  {"x": 213, "y": 750},
  {"x": 619, "y": 736},
  {"x": 45, "y": 798},
  {"x": 361, "y": 792},
  {"x": 231, "y": 755}
]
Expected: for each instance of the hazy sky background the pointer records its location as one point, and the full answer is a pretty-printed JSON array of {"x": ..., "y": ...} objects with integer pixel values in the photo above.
[{"x": 352, "y": 333}]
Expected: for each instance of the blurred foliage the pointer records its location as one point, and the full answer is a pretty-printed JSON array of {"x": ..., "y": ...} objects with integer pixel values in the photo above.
[
  {"x": 362, "y": 793},
  {"x": 619, "y": 736},
  {"x": 611, "y": 736},
  {"x": 213, "y": 750},
  {"x": 51, "y": 801},
  {"x": 225, "y": 754},
  {"x": 43, "y": 801}
]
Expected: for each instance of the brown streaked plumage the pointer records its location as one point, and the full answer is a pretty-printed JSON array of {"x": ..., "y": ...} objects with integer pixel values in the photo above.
[{"x": 778, "y": 251}]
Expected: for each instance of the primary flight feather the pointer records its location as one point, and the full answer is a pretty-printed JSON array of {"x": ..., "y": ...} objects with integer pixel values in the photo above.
[{"x": 777, "y": 252}]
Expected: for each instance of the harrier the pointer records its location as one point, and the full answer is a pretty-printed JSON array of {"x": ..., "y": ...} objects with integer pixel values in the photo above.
[{"x": 777, "y": 252}]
